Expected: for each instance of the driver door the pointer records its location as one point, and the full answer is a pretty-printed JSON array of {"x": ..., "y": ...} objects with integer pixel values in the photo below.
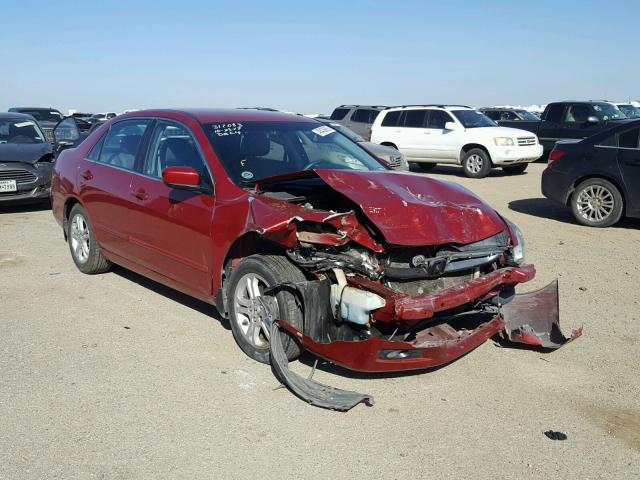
[{"x": 171, "y": 229}]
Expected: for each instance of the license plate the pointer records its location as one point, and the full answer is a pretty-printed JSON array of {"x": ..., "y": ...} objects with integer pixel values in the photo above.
[{"x": 8, "y": 186}]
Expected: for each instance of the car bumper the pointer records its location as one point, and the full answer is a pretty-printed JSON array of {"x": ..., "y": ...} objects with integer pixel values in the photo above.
[
  {"x": 530, "y": 319},
  {"x": 33, "y": 183},
  {"x": 514, "y": 155},
  {"x": 556, "y": 186}
]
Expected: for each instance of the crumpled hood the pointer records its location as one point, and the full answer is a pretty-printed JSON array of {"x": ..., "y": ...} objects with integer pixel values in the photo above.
[
  {"x": 415, "y": 210},
  {"x": 24, "y": 152}
]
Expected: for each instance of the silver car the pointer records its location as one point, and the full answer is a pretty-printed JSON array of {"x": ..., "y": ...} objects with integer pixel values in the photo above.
[{"x": 357, "y": 118}]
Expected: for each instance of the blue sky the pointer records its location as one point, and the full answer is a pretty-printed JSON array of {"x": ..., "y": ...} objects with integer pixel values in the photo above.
[{"x": 311, "y": 56}]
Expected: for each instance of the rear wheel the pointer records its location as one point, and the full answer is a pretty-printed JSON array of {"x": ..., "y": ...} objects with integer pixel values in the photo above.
[
  {"x": 83, "y": 245},
  {"x": 254, "y": 303},
  {"x": 515, "y": 169},
  {"x": 476, "y": 163},
  {"x": 596, "y": 202}
]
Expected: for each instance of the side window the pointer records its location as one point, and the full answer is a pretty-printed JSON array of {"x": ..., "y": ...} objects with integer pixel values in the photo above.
[
  {"x": 438, "y": 119},
  {"x": 122, "y": 142},
  {"x": 577, "y": 114},
  {"x": 554, "y": 114},
  {"x": 506, "y": 115},
  {"x": 610, "y": 141},
  {"x": 391, "y": 119},
  {"x": 415, "y": 118},
  {"x": 94, "y": 154},
  {"x": 492, "y": 114},
  {"x": 172, "y": 145},
  {"x": 339, "y": 113},
  {"x": 364, "y": 115},
  {"x": 628, "y": 139}
]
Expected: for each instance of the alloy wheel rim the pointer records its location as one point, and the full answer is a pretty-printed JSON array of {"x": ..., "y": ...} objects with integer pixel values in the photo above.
[
  {"x": 474, "y": 163},
  {"x": 595, "y": 203},
  {"x": 80, "y": 238},
  {"x": 251, "y": 313}
]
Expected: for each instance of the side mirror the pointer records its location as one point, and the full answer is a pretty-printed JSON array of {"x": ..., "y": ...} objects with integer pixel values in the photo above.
[
  {"x": 66, "y": 132},
  {"x": 184, "y": 178},
  {"x": 593, "y": 119},
  {"x": 451, "y": 126}
]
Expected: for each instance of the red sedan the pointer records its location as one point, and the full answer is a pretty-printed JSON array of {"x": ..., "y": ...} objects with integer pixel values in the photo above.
[{"x": 279, "y": 220}]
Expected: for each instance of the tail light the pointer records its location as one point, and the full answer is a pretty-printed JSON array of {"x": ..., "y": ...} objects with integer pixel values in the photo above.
[{"x": 556, "y": 155}]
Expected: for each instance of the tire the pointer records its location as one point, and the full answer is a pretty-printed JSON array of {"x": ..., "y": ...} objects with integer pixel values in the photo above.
[
  {"x": 83, "y": 245},
  {"x": 597, "y": 202},
  {"x": 515, "y": 169},
  {"x": 264, "y": 271},
  {"x": 476, "y": 163},
  {"x": 424, "y": 165}
]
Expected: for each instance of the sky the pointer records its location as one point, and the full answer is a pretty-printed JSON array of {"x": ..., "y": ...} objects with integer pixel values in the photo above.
[{"x": 310, "y": 56}]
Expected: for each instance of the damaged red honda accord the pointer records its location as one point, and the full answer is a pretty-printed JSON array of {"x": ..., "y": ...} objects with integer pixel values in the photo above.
[{"x": 289, "y": 227}]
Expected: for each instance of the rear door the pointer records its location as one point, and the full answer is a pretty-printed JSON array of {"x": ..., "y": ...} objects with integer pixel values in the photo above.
[
  {"x": 415, "y": 141},
  {"x": 171, "y": 232},
  {"x": 629, "y": 161},
  {"x": 550, "y": 129},
  {"x": 104, "y": 180}
]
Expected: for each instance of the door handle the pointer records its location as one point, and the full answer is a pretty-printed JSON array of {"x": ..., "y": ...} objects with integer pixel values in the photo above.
[
  {"x": 87, "y": 175},
  {"x": 141, "y": 194},
  {"x": 426, "y": 132}
]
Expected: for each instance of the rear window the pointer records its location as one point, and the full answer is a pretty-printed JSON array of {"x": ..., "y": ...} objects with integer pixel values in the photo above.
[
  {"x": 391, "y": 119},
  {"x": 364, "y": 116},
  {"x": 339, "y": 113}
]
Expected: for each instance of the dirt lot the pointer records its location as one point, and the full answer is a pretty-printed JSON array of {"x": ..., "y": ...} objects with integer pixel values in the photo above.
[{"x": 116, "y": 377}]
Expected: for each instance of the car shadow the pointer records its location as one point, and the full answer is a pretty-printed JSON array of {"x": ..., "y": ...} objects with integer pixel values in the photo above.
[
  {"x": 25, "y": 207},
  {"x": 458, "y": 172},
  {"x": 176, "y": 296},
  {"x": 545, "y": 208}
]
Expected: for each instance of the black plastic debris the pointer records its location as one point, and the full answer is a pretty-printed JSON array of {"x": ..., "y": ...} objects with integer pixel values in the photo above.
[
  {"x": 310, "y": 391},
  {"x": 555, "y": 435}
]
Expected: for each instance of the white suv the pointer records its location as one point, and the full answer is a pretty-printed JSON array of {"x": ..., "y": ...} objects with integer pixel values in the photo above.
[{"x": 432, "y": 134}]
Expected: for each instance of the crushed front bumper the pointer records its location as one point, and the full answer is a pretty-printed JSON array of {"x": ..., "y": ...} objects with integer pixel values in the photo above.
[{"x": 530, "y": 318}]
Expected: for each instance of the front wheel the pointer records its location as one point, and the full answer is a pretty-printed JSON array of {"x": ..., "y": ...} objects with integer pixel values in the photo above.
[
  {"x": 476, "y": 163},
  {"x": 596, "y": 203},
  {"x": 515, "y": 169},
  {"x": 83, "y": 245},
  {"x": 260, "y": 291}
]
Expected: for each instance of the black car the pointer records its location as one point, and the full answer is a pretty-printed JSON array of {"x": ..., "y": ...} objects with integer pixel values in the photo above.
[
  {"x": 26, "y": 160},
  {"x": 598, "y": 177},
  {"x": 506, "y": 114},
  {"x": 47, "y": 118}
]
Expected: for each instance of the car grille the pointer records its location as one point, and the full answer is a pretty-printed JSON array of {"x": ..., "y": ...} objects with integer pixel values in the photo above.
[
  {"x": 524, "y": 141},
  {"x": 394, "y": 161},
  {"x": 48, "y": 133},
  {"x": 20, "y": 176}
]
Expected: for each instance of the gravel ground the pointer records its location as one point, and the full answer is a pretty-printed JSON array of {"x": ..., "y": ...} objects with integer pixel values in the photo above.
[{"x": 116, "y": 377}]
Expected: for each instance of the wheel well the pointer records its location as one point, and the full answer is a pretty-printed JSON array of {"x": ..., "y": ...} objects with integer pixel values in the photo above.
[
  {"x": 248, "y": 244},
  {"x": 389, "y": 144},
  {"x": 68, "y": 205},
  {"x": 471, "y": 146},
  {"x": 602, "y": 177}
]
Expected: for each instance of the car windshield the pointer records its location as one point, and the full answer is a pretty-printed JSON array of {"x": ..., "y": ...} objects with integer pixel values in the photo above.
[
  {"x": 630, "y": 111},
  {"x": 20, "y": 131},
  {"x": 528, "y": 115},
  {"x": 44, "y": 115},
  {"x": 473, "y": 119},
  {"x": 250, "y": 151},
  {"x": 606, "y": 111},
  {"x": 346, "y": 132}
]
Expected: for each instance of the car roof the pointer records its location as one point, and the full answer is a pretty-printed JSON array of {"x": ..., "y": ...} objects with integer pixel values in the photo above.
[
  {"x": 380, "y": 107},
  {"x": 436, "y": 106},
  {"x": 47, "y": 109},
  {"x": 15, "y": 116},
  {"x": 212, "y": 115}
]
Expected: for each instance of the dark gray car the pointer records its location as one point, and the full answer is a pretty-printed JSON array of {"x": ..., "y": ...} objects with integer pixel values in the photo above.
[
  {"x": 26, "y": 160},
  {"x": 47, "y": 118},
  {"x": 390, "y": 157}
]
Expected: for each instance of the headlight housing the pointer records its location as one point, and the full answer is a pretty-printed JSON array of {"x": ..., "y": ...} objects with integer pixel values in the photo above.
[
  {"x": 517, "y": 251},
  {"x": 503, "y": 141}
]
